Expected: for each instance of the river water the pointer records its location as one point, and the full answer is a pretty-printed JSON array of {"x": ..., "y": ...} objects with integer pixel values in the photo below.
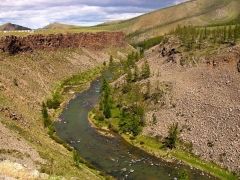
[{"x": 113, "y": 155}]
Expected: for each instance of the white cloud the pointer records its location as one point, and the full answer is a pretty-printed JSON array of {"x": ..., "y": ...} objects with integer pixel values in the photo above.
[
  {"x": 179, "y": 1},
  {"x": 38, "y": 13}
]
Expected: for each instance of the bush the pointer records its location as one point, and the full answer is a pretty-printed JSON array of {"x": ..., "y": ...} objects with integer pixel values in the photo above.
[
  {"x": 183, "y": 174},
  {"x": 171, "y": 140},
  {"x": 15, "y": 82},
  {"x": 99, "y": 117},
  {"x": 126, "y": 88},
  {"x": 54, "y": 103}
]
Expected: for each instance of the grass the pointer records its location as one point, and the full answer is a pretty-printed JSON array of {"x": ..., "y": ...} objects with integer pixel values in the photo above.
[{"x": 153, "y": 147}]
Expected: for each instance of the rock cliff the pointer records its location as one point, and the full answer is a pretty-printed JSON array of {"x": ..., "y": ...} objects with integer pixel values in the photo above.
[{"x": 94, "y": 41}]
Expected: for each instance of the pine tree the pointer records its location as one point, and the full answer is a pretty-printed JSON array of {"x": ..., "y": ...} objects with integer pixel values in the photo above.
[
  {"x": 136, "y": 57},
  {"x": 104, "y": 85},
  {"x": 46, "y": 119},
  {"x": 200, "y": 41},
  {"x": 111, "y": 61},
  {"x": 107, "y": 111},
  {"x": 145, "y": 70},
  {"x": 136, "y": 73},
  {"x": 224, "y": 34},
  {"x": 148, "y": 90},
  {"x": 235, "y": 33},
  {"x": 129, "y": 76},
  {"x": 230, "y": 33},
  {"x": 172, "y": 138},
  {"x": 205, "y": 33}
]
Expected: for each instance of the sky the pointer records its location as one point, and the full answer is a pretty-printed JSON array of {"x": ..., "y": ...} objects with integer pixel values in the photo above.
[{"x": 39, "y": 13}]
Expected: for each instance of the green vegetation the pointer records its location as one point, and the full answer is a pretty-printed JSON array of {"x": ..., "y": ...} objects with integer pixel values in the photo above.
[
  {"x": 172, "y": 139},
  {"x": 15, "y": 82},
  {"x": 196, "y": 38},
  {"x": 123, "y": 119},
  {"x": 183, "y": 175},
  {"x": 111, "y": 63},
  {"x": 154, "y": 147},
  {"x": 46, "y": 119},
  {"x": 55, "y": 101},
  {"x": 105, "y": 100},
  {"x": 148, "y": 43}
]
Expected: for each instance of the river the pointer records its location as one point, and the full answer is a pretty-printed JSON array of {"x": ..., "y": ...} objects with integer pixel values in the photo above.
[{"x": 113, "y": 155}]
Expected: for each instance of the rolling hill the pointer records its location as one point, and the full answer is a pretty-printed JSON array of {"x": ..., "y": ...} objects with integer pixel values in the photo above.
[
  {"x": 159, "y": 22},
  {"x": 12, "y": 27},
  {"x": 194, "y": 12},
  {"x": 57, "y": 25}
]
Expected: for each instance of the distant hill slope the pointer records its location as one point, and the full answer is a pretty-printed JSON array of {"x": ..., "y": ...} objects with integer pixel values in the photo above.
[
  {"x": 194, "y": 12},
  {"x": 12, "y": 27},
  {"x": 57, "y": 25}
]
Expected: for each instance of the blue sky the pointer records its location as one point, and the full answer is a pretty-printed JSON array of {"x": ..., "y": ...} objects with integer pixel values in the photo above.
[{"x": 38, "y": 13}]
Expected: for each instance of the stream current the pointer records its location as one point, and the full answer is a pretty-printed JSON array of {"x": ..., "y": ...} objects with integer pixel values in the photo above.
[{"x": 113, "y": 155}]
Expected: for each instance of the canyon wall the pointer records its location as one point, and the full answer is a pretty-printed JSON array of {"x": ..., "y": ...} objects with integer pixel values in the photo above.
[{"x": 94, "y": 41}]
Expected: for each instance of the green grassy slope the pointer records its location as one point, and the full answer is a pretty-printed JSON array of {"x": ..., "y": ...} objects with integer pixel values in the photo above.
[{"x": 194, "y": 12}]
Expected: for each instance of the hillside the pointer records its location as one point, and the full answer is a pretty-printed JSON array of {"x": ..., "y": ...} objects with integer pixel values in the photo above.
[
  {"x": 57, "y": 25},
  {"x": 203, "y": 99},
  {"x": 12, "y": 27},
  {"x": 26, "y": 80},
  {"x": 195, "y": 12},
  {"x": 159, "y": 22}
]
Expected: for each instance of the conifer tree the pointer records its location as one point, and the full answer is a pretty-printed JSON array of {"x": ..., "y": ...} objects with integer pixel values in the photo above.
[
  {"x": 145, "y": 70},
  {"x": 148, "y": 90},
  {"x": 229, "y": 33},
  {"x": 129, "y": 76},
  {"x": 136, "y": 73},
  {"x": 111, "y": 61}
]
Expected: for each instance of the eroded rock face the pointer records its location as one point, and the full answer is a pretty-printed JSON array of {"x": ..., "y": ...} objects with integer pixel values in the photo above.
[{"x": 94, "y": 41}]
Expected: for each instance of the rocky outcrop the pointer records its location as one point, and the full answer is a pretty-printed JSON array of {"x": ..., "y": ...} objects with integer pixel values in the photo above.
[
  {"x": 12, "y": 170},
  {"x": 172, "y": 55},
  {"x": 94, "y": 41}
]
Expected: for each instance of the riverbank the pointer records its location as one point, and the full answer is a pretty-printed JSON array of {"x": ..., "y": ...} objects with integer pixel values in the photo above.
[
  {"x": 104, "y": 130},
  {"x": 68, "y": 87},
  {"x": 152, "y": 146},
  {"x": 24, "y": 85}
]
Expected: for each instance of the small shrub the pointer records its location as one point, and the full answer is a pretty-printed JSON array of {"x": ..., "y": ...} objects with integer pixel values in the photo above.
[
  {"x": 126, "y": 88},
  {"x": 210, "y": 144},
  {"x": 15, "y": 82},
  {"x": 183, "y": 174}
]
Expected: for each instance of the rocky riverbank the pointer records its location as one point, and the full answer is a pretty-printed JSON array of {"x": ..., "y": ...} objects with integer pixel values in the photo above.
[{"x": 204, "y": 100}]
